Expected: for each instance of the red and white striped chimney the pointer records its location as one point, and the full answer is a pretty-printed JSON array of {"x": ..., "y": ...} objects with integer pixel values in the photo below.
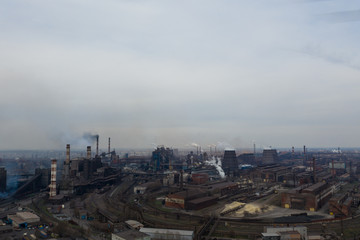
[{"x": 53, "y": 178}]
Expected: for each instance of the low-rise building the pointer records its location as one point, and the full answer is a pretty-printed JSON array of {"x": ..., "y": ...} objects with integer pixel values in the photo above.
[
  {"x": 134, "y": 224},
  {"x": 307, "y": 197},
  {"x": 22, "y": 219},
  {"x": 180, "y": 199},
  {"x": 285, "y": 233},
  {"x": 158, "y": 233}
]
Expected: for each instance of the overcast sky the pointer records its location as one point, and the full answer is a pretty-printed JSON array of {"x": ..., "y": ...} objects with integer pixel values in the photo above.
[{"x": 281, "y": 73}]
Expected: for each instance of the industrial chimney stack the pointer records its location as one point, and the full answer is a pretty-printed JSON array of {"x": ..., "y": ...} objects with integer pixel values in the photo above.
[
  {"x": 88, "y": 152},
  {"x": 109, "y": 146},
  {"x": 97, "y": 145},
  {"x": 53, "y": 178},
  {"x": 314, "y": 169},
  {"x": 67, "y": 161}
]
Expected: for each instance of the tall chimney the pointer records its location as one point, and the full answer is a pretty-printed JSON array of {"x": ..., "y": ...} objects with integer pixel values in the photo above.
[
  {"x": 305, "y": 156},
  {"x": 53, "y": 178},
  {"x": 332, "y": 168},
  {"x": 97, "y": 145},
  {"x": 181, "y": 180},
  {"x": 67, "y": 161},
  {"x": 109, "y": 146},
  {"x": 88, "y": 150},
  {"x": 314, "y": 169}
]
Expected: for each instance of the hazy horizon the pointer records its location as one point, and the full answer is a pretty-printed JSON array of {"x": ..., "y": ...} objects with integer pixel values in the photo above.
[{"x": 146, "y": 73}]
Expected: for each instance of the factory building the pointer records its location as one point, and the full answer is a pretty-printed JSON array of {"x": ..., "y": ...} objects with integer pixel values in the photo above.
[
  {"x": 180, "y": 199},
  {"x": 246, "y": 158},
  {"x": 340, "y": 205},
  {"x": 23, "y": 219},
  {"x": 230, "y": 163},
  {"x": 81, "y": 174},
  {"x": 162, "y": 159},
  {"x": 2, "y": 179},
  {"x": 309, "y": 198},
  {"x": 199, "y": 178},
  {"x": 269, "y": 156},
  {"x": 337, "y": 167},
  {"x": 270, "y": 173}
]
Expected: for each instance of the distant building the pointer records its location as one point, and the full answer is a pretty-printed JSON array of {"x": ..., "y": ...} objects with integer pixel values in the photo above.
[
  {"x": 246, "y": 158},
  {"x": 2, "y": 179},
  {"x": 269, "y": 156},
  {"x": 162, "y": 158},
  {"x": 270, "y": 173},
  {"x": 229, "y": 163}
]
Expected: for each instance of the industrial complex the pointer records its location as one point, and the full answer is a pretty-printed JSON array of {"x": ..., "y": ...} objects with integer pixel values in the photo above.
[{"x": 168, "y": 193}]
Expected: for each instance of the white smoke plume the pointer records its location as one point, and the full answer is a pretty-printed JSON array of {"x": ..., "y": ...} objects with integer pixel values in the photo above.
[
  {"x": 225, "y": 146},
  {"x": 216, "y": 162},
  {"x": 195, "y": 145},
  {"x": 87, "y": 139}
]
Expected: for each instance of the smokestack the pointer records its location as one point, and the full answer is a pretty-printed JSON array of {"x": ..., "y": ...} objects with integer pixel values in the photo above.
[
  {"x": 109, "y": 146},
  {"x": 53, "y": 178},
  {"x": 304, "y": 155},
  {"x": 88, "y": 150},
  {"x": 97, "y": 145},
  {"x": 314, "y": 169},
  {"x": 332, "y": 170},
  {"x": 181, "y": 180},
  {"x": 67, "y": 161}
]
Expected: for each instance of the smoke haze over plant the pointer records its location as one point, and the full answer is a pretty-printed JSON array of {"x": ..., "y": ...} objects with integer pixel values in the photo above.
[{"x": 285, "y": 73}]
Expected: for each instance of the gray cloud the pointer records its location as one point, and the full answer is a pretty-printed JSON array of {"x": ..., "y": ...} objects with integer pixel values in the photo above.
[
  {"x": 176, "y": 73},
  {"x": 341, "y": 16}
]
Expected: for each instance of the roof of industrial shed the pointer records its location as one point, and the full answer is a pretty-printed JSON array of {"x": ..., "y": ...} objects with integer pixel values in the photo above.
[
  {"x": 27, "y": 215},
  {"x": 203, "y": 199},
  {"x": 187, "y": 193},
  {"x": 314, "y": 187},
  {"x": 16, "y": 219},
  {"x": 131, "y": 234},
  {"x": 167, "y": 231},
  {"x": 134, "y": 224}
]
